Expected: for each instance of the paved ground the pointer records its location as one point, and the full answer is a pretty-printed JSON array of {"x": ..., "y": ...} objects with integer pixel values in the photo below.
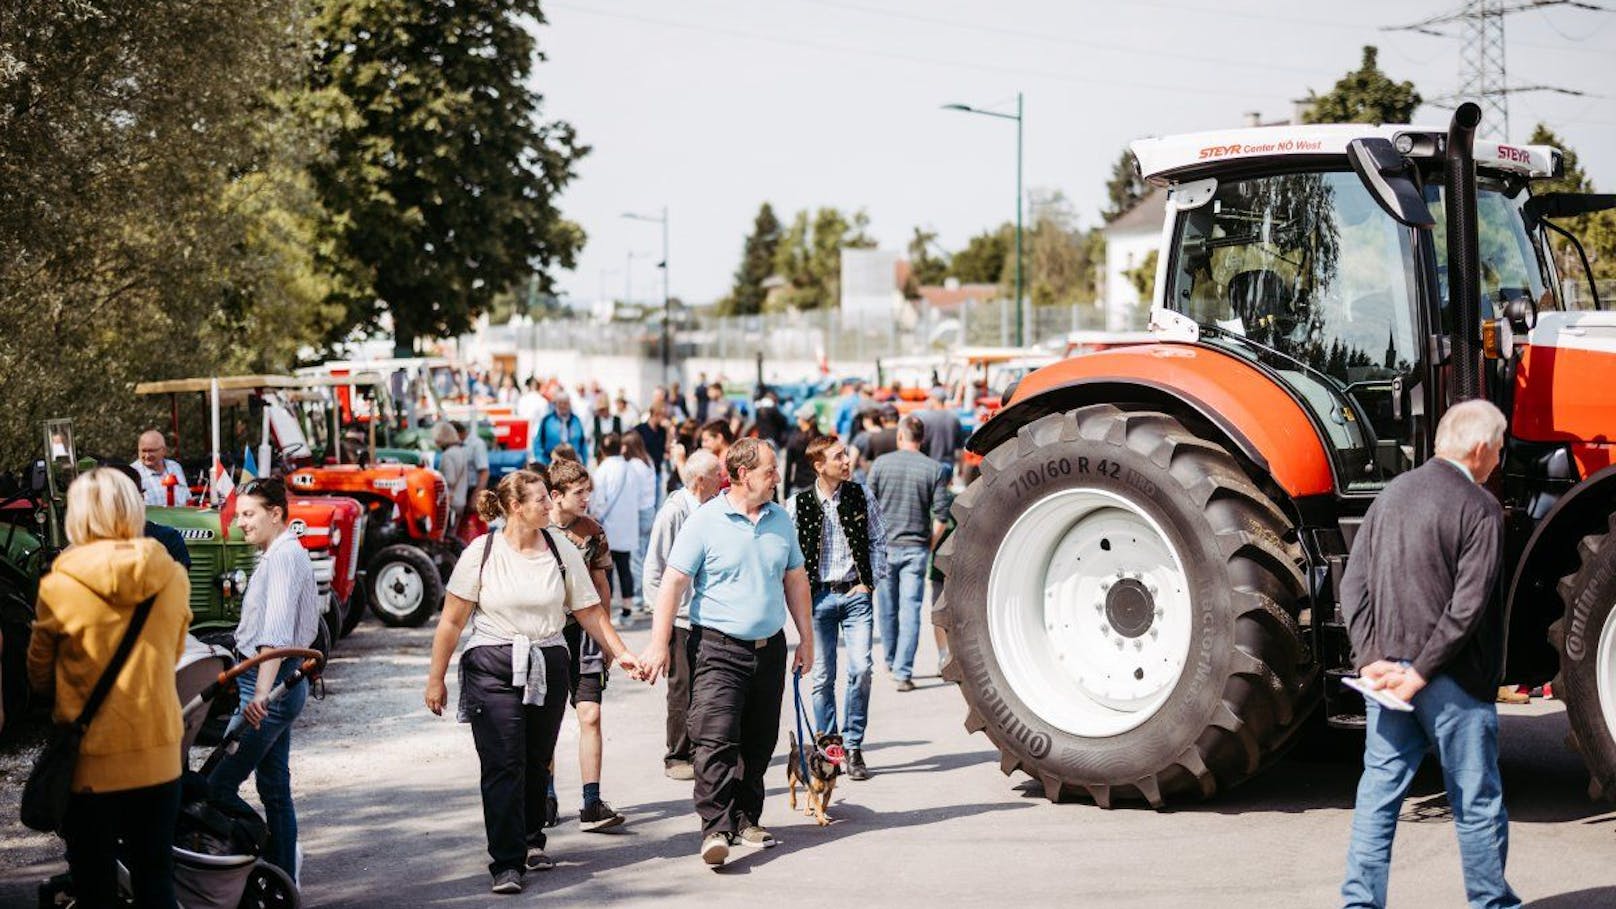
[{"x": 388, "y": 804}]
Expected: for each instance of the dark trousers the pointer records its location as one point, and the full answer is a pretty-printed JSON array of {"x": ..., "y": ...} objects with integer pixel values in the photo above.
[
  {"x": 515, "y": 744},
  {"x": 734, "y": 723},
  {"x": 623, "y": 562},
  {"x": 143, "y": 820},
  {"x": 678, "y": 698}
]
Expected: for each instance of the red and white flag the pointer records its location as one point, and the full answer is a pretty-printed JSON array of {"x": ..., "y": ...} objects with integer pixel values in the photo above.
[{"x": 225, "y": 490}]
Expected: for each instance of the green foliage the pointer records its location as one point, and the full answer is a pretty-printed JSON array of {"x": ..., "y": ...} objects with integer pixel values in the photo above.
[
  {"x": 1124, "y": 189},
  {"x": 809, "y": 257},
  {"x": 1143, "y": 278},
  {"x": 757, "y": 264},
  {"x": 1061, "y": 265},
  {"x": 148, "y": 218},
  {"x": 1365, "y": 95},
  {"x": 441, "y": 181},
  {"x": 925, "y": 269},
  {"x": 987, "y": 258},
  {"x": 1596, "y": 231}
]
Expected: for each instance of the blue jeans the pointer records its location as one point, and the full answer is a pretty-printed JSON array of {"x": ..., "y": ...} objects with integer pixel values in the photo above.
[
  {"x": 265, "y": 753},
  {"x": 1464, "y": 732},
  {"x": 902, "y": 594},
  {"x": 850, "y": 616}
]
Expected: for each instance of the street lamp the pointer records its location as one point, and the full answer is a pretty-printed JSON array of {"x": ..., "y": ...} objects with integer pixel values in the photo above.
[
  {"x": 965, "y": 108},
  {"x": 667, "y": 316}
]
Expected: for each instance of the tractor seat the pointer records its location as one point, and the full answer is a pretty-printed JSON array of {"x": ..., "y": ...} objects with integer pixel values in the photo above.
[{"x": 1260, "y": 297}]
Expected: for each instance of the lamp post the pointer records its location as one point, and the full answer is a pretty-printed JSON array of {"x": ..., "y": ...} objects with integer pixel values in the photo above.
[
  {"x": 1017, "y": 116},
  {"x": 667, "y": 315}
]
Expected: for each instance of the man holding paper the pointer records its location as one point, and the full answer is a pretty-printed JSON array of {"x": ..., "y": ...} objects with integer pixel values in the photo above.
[{"x": 1426, "y": 629}]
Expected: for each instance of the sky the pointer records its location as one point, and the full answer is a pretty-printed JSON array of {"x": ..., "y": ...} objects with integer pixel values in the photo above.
[{"x": 711, "y": 107}]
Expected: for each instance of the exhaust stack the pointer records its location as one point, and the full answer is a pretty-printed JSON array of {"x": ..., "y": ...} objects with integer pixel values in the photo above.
[{"x": 1464, "y": 279}]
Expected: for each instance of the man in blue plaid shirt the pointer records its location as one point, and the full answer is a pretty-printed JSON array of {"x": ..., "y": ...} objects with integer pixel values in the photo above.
[{"x": 844, "y": 550}]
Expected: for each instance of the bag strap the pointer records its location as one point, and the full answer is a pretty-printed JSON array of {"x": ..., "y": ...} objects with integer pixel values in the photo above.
[
  {"x": 556, "y": 554},
  {"x": 103, "y": 685},
  {"x": 488, "y": 547}
]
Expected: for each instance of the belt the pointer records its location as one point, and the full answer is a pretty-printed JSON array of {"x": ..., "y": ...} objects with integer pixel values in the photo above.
[
  {"x": 838, "y": 587},
  {"x": 758, "y": 644}
]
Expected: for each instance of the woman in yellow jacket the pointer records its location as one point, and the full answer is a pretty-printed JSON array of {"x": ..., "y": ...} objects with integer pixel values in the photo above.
[{"x": 126, "y": 783}]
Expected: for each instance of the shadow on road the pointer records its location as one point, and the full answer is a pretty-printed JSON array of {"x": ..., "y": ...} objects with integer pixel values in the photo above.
[{"x": 1581, "y": 899}]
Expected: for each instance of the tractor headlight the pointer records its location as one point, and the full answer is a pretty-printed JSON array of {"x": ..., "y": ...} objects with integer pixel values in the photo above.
[
  {"x": 336, "y": 537},
  {"x": 233, "y": 583}
]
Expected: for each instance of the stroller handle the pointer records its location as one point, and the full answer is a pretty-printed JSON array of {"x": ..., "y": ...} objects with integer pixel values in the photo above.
[{"x": 313, "y": 663}]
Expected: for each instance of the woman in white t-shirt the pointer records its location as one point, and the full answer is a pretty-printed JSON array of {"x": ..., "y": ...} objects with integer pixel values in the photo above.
[
  {"x": 643, "y": 475},
  {"x": 516, "y": 586}
]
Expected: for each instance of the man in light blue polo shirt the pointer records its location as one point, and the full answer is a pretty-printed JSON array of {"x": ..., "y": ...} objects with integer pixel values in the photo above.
[{"x": 740, "y": 551}]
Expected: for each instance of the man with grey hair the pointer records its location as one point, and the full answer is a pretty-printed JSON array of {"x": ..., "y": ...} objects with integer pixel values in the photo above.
[
  {"x": 155, "y": 468},
  {"x": 1418, "y": 599},
  {"x": 559, "y": 427},
  {"x": 702, "y": 480},
  {"x": 454, "y": 462}
]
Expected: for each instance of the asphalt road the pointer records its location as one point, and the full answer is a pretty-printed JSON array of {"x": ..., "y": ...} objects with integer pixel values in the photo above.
[{"x": 390, "y": 816}]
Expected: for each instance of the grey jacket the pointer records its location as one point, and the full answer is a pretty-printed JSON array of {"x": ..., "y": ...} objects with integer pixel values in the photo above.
[
  {"x": 1419, "y": 583},
  {"x": 664, "y": 530}
]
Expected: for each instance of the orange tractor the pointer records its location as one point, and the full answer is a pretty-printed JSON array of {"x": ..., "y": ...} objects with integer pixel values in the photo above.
[{"x": 1141, "y": 594}]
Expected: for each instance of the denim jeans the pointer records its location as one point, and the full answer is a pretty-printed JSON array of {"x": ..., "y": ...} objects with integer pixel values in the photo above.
[
  {"x": 849, "y": 616},
  {"x": 903, "y": 592},
  {"x": 266, "y": 753},
  {"x": 1464, "y": 732}
]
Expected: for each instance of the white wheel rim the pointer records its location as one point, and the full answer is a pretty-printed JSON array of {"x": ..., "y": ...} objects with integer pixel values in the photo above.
[
  {"x": 1605, "y": 672},
  {"x": 1089, "y": 612},
  {"x": 398, "y": 589}
]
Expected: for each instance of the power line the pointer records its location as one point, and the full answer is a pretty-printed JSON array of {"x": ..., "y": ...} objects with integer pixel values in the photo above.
[{"x": 949, "y": 63}]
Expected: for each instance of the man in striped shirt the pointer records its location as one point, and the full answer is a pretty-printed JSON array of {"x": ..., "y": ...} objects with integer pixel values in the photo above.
[{"x": 912, "y": 490}]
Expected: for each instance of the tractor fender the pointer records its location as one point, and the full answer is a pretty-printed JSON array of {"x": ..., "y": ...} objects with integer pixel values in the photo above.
[
  {"x": 1259, "y": 420},
  {"x": 1549, "y": 553}
]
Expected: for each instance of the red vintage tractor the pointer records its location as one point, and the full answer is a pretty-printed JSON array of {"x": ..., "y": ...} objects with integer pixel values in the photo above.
[{"x": 1141, "y": 594}]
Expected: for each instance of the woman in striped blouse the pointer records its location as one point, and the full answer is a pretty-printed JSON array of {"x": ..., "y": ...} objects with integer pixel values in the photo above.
[{"x": 281, "y": 608}]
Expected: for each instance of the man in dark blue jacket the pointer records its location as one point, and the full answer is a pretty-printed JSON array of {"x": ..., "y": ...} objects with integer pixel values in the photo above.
[{"x": 1425, "y": 626}]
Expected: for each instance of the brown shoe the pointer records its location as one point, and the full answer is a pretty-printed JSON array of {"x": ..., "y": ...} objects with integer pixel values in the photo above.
[{"x": 1509, "y": 694}]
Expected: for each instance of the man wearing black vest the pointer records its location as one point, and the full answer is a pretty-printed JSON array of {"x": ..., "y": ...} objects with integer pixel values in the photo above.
[{"x": 843, "y": 544}]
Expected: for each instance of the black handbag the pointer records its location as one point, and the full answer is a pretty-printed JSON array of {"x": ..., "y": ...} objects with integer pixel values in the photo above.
[{"x": 50, "y": 783}]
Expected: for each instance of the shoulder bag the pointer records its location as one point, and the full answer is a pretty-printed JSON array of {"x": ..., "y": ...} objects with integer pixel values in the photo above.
[{"x": 50, "y": 784}]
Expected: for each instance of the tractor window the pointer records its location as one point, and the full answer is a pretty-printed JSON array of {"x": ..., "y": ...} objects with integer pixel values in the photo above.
[
  {"x": 1309, "y": 268},
  {"x": 1511, "y": 267}
]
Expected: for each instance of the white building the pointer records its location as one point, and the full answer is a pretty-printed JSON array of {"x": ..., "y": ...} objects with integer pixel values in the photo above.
[{"x": 1129, "y": 240}]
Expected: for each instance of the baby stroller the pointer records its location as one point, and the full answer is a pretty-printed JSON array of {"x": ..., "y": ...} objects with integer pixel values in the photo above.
[{"x": 216, "y": 847}]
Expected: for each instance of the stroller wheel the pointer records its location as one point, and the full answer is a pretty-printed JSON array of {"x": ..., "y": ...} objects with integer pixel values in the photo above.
[{"x": 268, "y": 887}]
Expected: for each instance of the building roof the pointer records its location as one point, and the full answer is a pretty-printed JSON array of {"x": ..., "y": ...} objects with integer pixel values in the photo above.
[
  {"x": 947, "y": 299},
  {"x": 1145, "y": 216}
]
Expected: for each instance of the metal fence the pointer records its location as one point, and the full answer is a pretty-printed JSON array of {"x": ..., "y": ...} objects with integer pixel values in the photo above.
[{"x": 819, "y": 334}]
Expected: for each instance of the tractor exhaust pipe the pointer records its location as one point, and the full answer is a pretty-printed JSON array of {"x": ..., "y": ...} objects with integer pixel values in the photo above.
[{"x": 1464, "y": 268}]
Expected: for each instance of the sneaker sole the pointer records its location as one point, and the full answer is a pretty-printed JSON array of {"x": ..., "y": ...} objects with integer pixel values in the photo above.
[
  {"x": 715, "y": 854},
  {"x": 507, "y": 889},
  {"x": 598, "y": 826},
  {"x": 765, "y": 845}
]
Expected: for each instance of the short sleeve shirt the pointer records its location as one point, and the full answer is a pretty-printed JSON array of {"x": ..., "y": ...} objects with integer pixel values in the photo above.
[
  {"x": 522, "y": 594},
  {"x": 590, "y": 539},
  {"x": 737, "y": 567}
]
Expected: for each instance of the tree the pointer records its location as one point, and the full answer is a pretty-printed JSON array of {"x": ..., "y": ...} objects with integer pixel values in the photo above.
[
  {"x": 1061, "y": 266},
  {"x": 1124, "y": 189},
  {"x": 1596, "y": 231},
  {"x": 142, "y": 230},
  {"x": 1143, "y": 278},
  {"x": 757, "y": 264},
  {"x": 441, "y": 180},
  {"x": 986, "y": 257},
  {"x": 809, "y": 256},
  {"x": 925, "y": 269},
  {"x": 1365, "y": 95}
]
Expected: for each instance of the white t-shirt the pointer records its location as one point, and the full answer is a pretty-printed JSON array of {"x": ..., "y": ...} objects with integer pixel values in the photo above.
[
  {"x": 521, "y": 594},
  {"x": 615, "y": 503},
  {"x": 644, "y": 477}
]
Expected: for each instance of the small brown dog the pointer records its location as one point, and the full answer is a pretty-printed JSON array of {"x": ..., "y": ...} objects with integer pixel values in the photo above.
[{"x": 824, "y": 766}]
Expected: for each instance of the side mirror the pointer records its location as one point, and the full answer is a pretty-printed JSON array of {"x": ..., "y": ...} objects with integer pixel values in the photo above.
[
  {"x": 38, "y": 483},
  {"x": 1391, "y": 181}
]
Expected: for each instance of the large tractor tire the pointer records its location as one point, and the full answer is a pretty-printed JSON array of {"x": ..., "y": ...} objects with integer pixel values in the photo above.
[
  {"x": 1586, "y": 639},
  {"x": 353, "y": 612},
  {"x": 403, "y": 586},
  {"x": 1119, "y": 611}
]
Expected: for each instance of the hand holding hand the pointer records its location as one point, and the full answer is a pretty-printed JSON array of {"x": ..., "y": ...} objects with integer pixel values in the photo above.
[
  {"x": 1408, "y": 685},
  {"x": 652, "y": 664},
  {"x": 629, "y": 663},
  {"x": 437, "y": 694},
  {"x": 1382, "y": 673}
]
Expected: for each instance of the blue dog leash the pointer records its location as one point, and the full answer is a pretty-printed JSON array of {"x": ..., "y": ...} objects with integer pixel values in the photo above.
[{"x": 802, "y": 719}]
